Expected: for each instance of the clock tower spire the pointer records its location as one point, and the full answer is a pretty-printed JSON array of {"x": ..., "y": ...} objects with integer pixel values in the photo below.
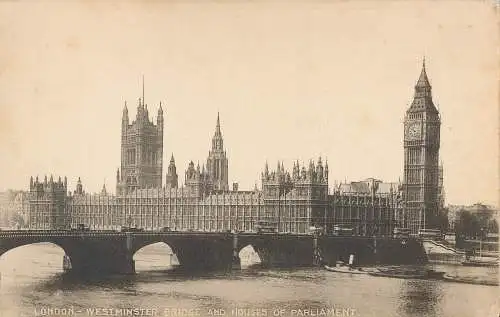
[{"x": 421, "y": 158}]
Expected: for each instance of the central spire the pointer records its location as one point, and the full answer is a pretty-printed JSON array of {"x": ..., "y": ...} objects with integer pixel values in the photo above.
[
  {"x": 217, "y": 163},
  {"x": 217, "y": 142},
  {"x": 143, "y": 101},
  {"x": 217, "y": 126}
]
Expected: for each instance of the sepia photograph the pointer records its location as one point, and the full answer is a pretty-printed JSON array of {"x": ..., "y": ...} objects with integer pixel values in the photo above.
[{"x": 249, "y": 158}]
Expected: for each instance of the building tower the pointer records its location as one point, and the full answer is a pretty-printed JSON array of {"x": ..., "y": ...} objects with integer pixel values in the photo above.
[
  {"x": 421, "y": 158},
  {"x": 47, "y": 208},
  {"x": 171, "y": 180},
  {"x": 217, "y": 164},
  {"x": 141, "y": 150}
]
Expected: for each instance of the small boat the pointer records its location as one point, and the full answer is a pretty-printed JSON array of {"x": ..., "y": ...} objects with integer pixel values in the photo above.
[
  {"x": 398, "y": 275},
  {"x": 409, "y": 274},
  {"x": 435, "y": 274},
  {"x": 470, "y": 280},
  {"x": 470, "y": 262},
  {"x": 346, "y": 269}
]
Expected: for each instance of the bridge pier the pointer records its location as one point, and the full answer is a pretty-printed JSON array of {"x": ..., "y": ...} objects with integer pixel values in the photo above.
[
  {"x": 236, "y": 261},
  {"x": 317, "y": 257},
  {"x": 208, "y": 254},
  {"x": 369, "y": 251},
  {"x": 285, "y": 251},
  {"x": 100, "y": 262},
  {"x": 100, "y": 256}
]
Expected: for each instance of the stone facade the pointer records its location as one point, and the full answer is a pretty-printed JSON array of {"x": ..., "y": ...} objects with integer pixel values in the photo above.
[
  {"x": 48, "y": 207},
  {"x": 141, "y": 151},
  {"x": 293, "y": 201},
  {"x": 370, "y": 207}
]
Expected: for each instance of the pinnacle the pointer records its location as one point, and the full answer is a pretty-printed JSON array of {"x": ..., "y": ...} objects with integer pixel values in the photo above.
[
  {"x": 423, "y": 81},
  {"x": 217, "y": 126}
]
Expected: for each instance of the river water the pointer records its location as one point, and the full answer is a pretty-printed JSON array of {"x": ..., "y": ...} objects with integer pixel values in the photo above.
[{"x": 32, "y": 284}]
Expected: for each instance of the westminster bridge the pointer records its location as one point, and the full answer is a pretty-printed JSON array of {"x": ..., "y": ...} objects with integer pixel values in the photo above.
[{"x": 112, "y": 252}]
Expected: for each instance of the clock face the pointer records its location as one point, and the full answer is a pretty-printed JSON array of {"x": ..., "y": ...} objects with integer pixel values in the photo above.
[{"x": 413, "y": 130}]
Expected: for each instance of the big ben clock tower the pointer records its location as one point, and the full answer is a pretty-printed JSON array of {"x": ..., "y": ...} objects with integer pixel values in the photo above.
[{"x": 421, "y": 158}]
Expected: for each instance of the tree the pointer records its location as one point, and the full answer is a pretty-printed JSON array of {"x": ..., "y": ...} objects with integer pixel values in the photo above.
[
  {"x": 16, "y": 220},
  {"x": 493, "y": 226},
  {"x": 467, "y": 225},
  {"x": 4, "y": 217},
  {"x": 441, "y": 220},
  {"x": 475, "y": 225}
]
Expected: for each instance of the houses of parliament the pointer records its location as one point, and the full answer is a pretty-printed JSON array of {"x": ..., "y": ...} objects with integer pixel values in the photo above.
[{"x": 293, "y": 201}]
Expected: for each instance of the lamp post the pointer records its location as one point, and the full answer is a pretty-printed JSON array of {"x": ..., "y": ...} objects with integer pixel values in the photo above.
[
  {"x": 280, "y": 189},
  {"x": 325, "y": 220},
  {"x": 481, "y": 241}
]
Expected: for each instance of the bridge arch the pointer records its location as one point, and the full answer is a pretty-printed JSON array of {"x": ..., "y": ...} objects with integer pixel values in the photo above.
[
  {"x": 10, "y": 245},
  {"x": 158, "y": 255},
  {"x": 32, "y": 259},
  {"x": 248, "y": 255}
]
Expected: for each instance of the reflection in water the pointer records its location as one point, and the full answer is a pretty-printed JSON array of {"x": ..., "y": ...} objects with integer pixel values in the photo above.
[
  {"x": 31, "y": 278},
  {"x": 419, "y": 297}
]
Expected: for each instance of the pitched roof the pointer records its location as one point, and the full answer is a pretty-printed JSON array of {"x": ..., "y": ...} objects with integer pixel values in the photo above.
[
  {"x": 363, "y": 187},
  {"x": 423, "y": 80},
  {"x": 422, "y": 100}
]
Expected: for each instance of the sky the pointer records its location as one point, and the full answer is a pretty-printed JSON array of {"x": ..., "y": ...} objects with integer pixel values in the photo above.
[{"x": 291, "y": 81}]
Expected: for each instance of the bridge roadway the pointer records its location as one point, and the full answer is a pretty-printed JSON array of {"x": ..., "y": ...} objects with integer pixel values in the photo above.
[{"x": 111, "y": 252}]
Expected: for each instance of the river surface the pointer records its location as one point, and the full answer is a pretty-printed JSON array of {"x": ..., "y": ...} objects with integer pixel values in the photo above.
[{"x": 32, "y": 284}]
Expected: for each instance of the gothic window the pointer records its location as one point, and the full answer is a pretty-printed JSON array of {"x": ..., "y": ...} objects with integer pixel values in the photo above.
[{"x": 131, "y": 156}]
